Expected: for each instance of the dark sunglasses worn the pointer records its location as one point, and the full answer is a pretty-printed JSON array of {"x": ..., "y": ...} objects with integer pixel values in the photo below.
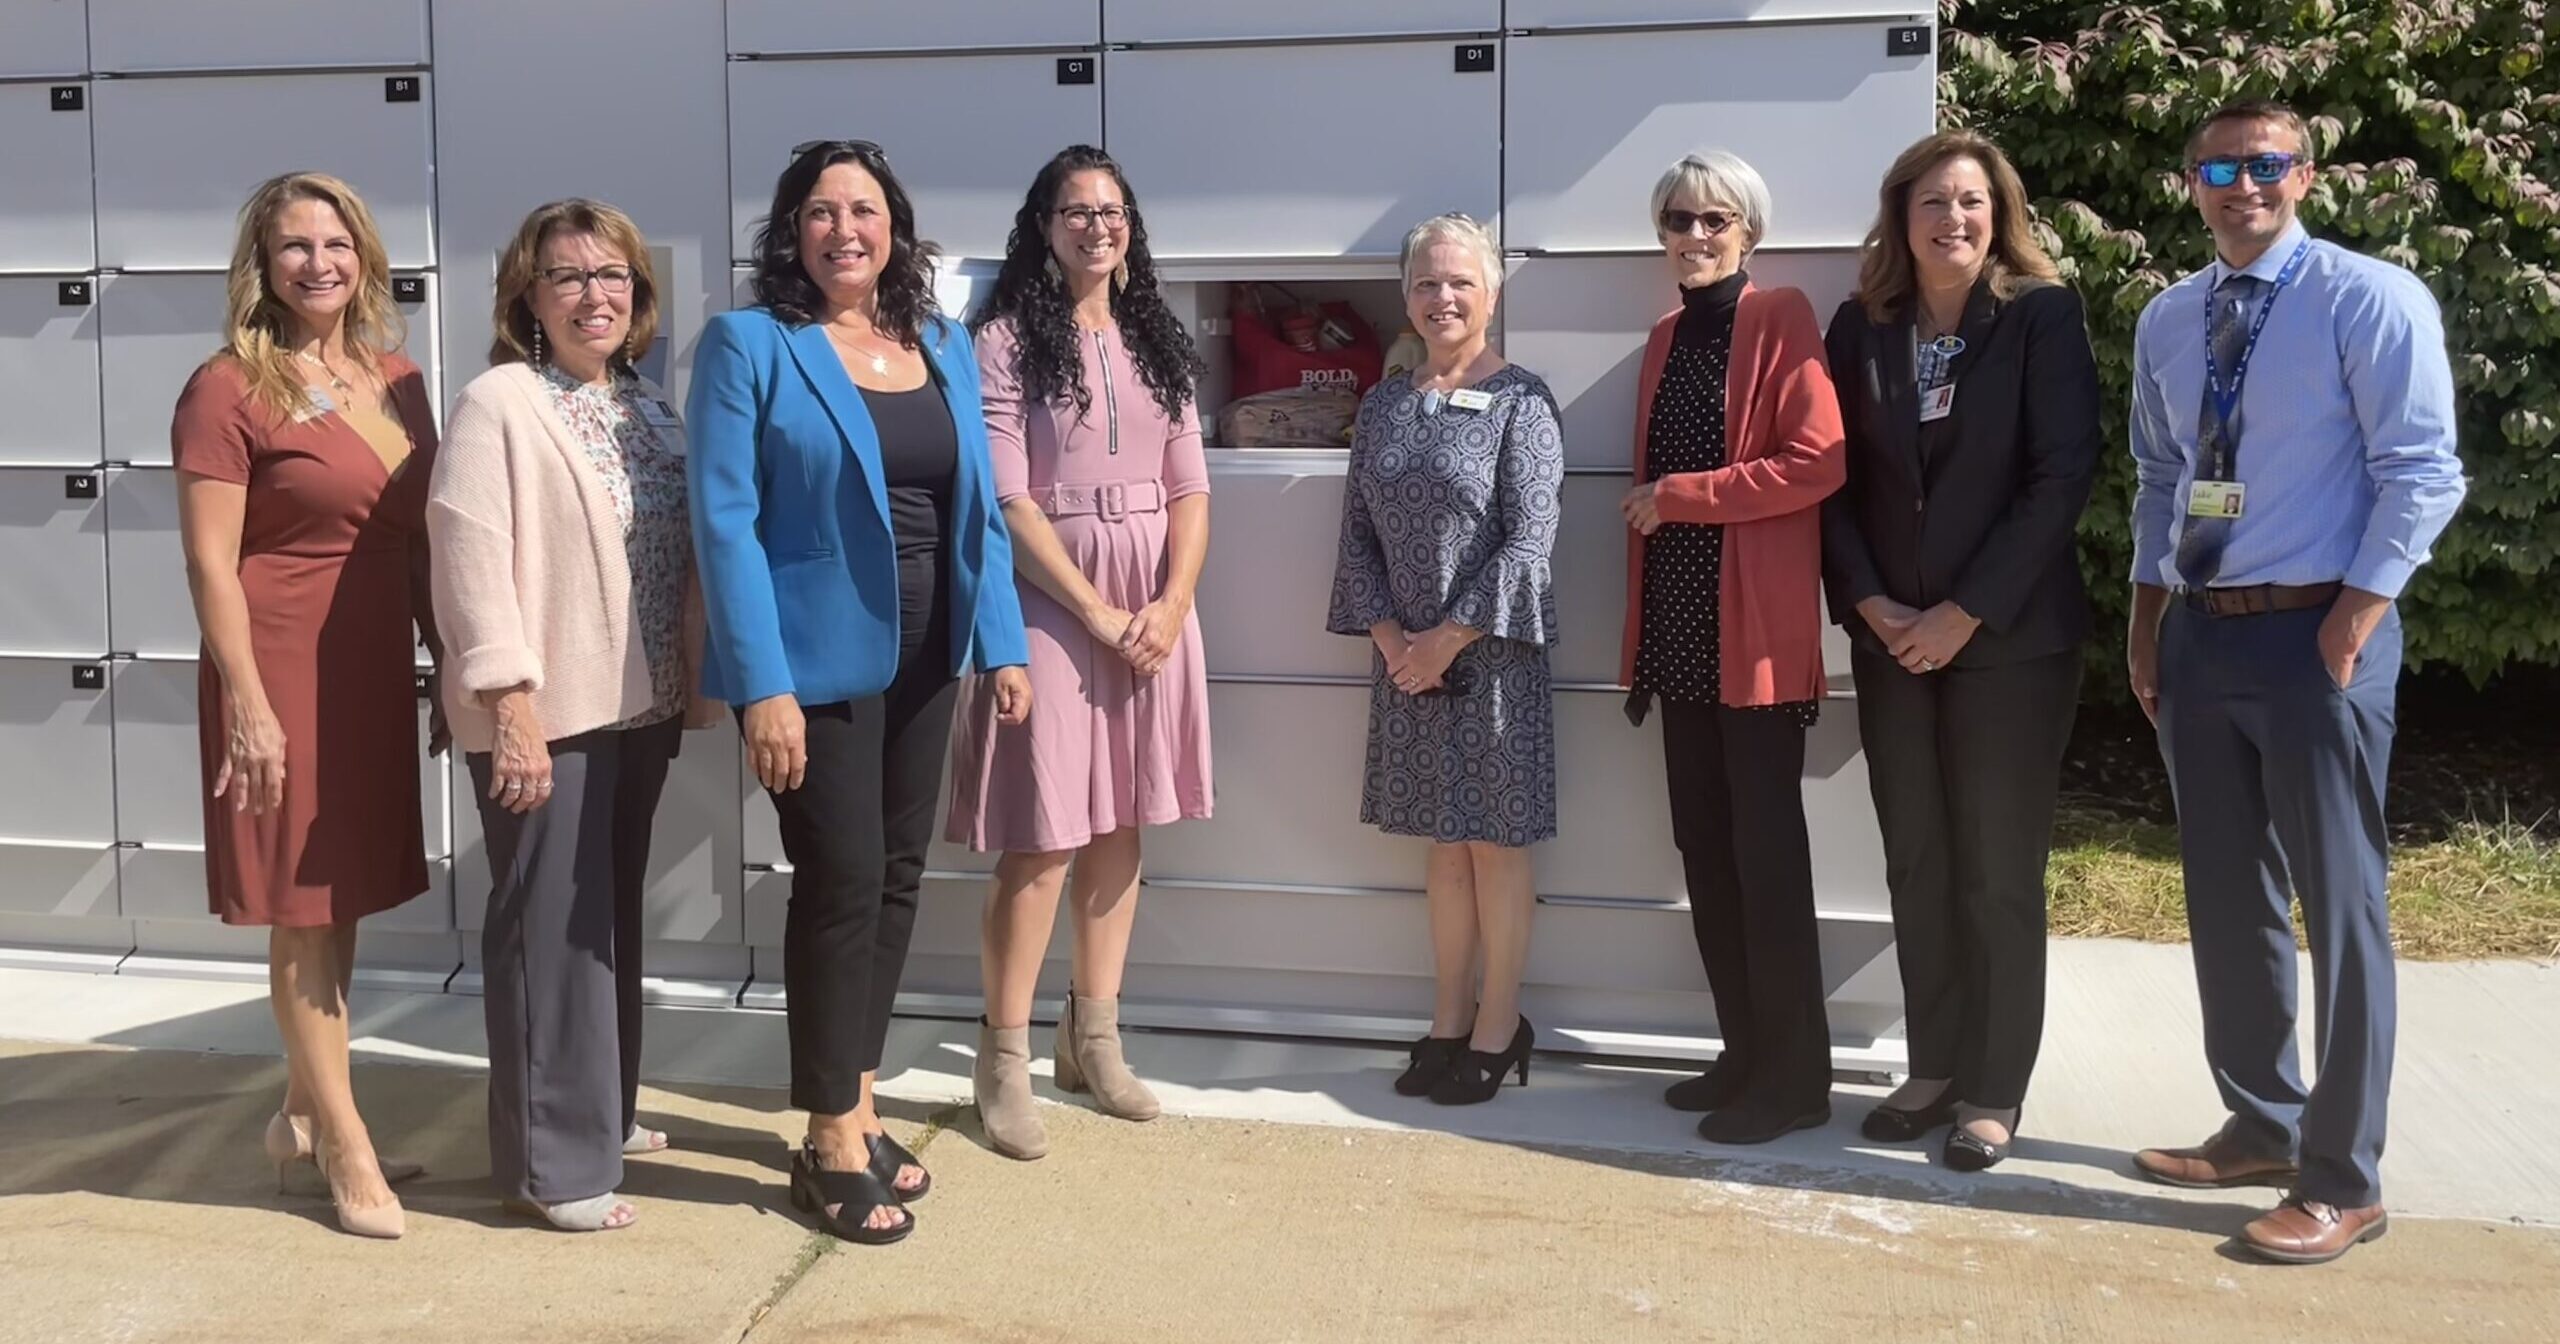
[
  {"x": 2264, "y": 169},
  {"x": 1681, "y": 221},
  {"x": 864, "y": 147}
]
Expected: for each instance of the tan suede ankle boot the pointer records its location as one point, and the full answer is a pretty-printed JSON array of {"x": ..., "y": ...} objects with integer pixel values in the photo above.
[
  {"x": 1089, "y": 1059},
  {"x": 1002, "y": 1080}
]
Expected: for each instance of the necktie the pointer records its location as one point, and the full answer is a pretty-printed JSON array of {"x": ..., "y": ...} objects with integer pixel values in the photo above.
[{"x": 2200, "y": 545}]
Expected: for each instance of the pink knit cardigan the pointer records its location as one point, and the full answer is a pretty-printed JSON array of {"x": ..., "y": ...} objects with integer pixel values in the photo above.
[{"x": 531, "y": 582}]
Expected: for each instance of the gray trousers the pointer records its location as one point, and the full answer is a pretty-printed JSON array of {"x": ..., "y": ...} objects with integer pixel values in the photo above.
[{"x": 560, "y": 957}]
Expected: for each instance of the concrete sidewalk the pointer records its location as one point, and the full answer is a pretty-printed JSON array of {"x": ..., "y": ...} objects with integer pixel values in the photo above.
[{"x": 134, "y": 1206}]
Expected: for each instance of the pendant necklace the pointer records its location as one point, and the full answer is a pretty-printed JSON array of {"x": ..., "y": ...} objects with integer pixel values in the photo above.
[
  {"x": 879, "y": 363},
  {"x": 331, "y": 374}
]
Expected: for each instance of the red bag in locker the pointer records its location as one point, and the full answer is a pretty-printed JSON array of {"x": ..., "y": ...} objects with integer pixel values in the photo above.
[{"x": 1333, "y": 345}]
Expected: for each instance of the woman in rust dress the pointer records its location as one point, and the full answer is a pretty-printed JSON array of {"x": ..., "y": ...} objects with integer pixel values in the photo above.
[{"x": 302, "y": 452}]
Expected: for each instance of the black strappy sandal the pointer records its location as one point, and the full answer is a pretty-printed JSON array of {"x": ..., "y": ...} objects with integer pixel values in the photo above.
[
  {"x": 855, "y": 1193},
  {"x": 887, "y": 1155}
]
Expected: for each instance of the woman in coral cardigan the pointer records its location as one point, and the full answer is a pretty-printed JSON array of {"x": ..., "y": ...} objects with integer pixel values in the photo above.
[
  {"x": 564, "y": 567},
  {"x": 1737, "y": 442}
]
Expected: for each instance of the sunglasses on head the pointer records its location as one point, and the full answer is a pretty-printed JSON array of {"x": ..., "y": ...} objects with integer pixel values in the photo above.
[
  {"x": 1681, "y": 221},
  {"x": 863, "y": 147},
  {"x": 2264, "y": 169}
]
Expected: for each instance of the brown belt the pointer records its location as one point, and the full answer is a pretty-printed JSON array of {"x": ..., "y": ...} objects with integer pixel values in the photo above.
[
  {"x": 1109, "y": 500},
  {"x": 2259, "y": 599}
]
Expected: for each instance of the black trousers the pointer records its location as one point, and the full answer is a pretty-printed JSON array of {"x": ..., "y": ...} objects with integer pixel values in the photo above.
[
  {"x": 1964, "y": 763},
  {"x": 1737, "y": 815},
  {"x": 856, "y": 831}
]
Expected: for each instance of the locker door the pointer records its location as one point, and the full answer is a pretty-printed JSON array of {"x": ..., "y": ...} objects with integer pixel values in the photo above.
[
  {"x": 150, "y": 611},
  {"x": 49, "y": 370},
  {"x": 1623, "y": 13},
  {"x": 966, "y": 172},
  {"x": 44, "y": 156},
  {"x": 173, "y": 168},
  {"x": 1264, "y": 615},
  {"x": 1581, "y": 323},
  {"x": 154, "y": 330},
  {"x": 1819, "y": 110},
  {"x": 696, "y": 891},
  {"x": 57, "y": 726},
  {"x": 135, "y": 35},
  {"x": 1336, "y": 175},
  {"x": 432, "y": 910},
  {"x": 1229, "y": 20},
  {"x": 782, "y": 26},
  {"x": 160, "y": 790},
  {"x": 46, "y": 37},
  {"x": 1289, "y": 762},
  {"x": 53, "y": 552}
]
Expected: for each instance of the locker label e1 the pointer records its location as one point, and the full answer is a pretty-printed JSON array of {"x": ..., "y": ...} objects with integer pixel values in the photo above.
[{"x": 1907, "y": 40}]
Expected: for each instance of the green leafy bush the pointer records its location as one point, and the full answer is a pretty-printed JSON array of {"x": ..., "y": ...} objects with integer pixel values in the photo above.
[{"x": 2437, "y": 128}]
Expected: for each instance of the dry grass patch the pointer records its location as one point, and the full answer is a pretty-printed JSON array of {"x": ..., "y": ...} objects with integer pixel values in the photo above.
[{"x": 2487, "y": 889}]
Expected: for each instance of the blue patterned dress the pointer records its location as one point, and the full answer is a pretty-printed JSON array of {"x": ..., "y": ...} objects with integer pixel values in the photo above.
[{"x": 1451, "y": 515}]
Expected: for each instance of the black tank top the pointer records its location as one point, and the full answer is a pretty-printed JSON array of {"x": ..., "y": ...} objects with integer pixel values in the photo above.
[{"x": 919, "y": 460}]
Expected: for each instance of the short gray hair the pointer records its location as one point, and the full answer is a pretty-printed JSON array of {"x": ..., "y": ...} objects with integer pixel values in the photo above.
[
  {"x": 1717, "y": 177},
  {"x": 1452, "y": 228}
]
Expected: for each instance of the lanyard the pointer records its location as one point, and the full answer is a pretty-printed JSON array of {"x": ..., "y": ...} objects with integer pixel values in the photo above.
[{"x": 2226, "y": 397}]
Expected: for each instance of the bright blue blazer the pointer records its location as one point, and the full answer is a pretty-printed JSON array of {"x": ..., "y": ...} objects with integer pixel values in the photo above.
[{"x": 791, "y": 518}]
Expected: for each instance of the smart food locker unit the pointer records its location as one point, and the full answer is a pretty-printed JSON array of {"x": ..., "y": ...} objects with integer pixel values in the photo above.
[{"x": 1272, "y": 143}]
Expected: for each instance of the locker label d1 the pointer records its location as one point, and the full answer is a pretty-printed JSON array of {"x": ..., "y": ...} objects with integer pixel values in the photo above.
[
  {"x": 88, "y": 676},
  {"x": 1075, "y": 70},
  {"x": 1475, "y": 58},
  {"x": 400, "y": 89},
  {"x": 69, "y": 98}
]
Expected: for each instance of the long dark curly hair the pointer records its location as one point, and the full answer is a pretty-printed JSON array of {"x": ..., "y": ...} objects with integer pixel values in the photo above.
[
  {"x": 1047, "y": 358},
  {"x": 782, "y": 283}
]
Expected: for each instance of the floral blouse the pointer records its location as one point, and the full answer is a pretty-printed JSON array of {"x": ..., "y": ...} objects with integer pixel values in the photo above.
[{"x": 643, "y": 472}]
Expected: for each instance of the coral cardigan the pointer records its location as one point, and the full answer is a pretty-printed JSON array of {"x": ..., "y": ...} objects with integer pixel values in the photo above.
[{"x": 1784, "y": 451}]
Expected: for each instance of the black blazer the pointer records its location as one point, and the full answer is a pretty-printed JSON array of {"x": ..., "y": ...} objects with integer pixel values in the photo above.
[{"x": 1990, "y": 521}]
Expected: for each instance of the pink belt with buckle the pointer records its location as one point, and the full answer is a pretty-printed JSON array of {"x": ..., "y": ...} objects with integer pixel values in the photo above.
[{"x": 1110, "y": 501}]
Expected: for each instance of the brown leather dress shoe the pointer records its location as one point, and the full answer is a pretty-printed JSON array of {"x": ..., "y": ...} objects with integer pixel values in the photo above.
[
  {"x": 2217, "y": 1163},
  {"x": 2307, "y": 1232}
]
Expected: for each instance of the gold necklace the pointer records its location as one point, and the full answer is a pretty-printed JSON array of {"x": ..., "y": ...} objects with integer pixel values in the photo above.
[
  {"x": 879, "y": 363},
  {"x": 331, "y": 374}
]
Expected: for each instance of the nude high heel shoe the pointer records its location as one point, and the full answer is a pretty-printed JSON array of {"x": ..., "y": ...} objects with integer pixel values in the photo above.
[
  {"x": 384, "y": 1222},
  {"x": 288, "y": 1146}
]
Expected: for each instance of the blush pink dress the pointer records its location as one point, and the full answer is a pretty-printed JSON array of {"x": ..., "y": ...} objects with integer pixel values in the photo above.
[{"x": 1104, "y": 748}]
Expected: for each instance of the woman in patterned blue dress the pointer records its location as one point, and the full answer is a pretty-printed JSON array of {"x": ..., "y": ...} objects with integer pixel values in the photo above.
[{"x": 1448, "y": 518}]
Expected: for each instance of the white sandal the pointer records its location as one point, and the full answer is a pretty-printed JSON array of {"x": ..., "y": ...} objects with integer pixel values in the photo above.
[
  {"x": 581, "y": 1215},
  {"x": 644, "y": 1140}
]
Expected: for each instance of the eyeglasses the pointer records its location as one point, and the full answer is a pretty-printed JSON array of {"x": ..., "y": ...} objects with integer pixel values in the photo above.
[
  {"x": 1682, "y": 221},
  {"x": 1082, "y": 218},
  {"x": 2264, "y": 169},
  {"x": 570, "y": 282},
  {"x": 866, "y": 148}
]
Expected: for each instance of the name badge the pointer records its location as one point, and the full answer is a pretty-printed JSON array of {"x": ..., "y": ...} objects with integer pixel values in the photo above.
[
  {"x": 658, "y": 414},
  {"x": 1471, "y": 399},
  {"x": 1935, "y": 404},
  {"x": 2216, "y": 499}
]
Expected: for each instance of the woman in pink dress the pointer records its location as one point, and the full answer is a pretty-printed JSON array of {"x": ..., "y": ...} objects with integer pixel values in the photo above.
[{"x": 1088, "y": 383}]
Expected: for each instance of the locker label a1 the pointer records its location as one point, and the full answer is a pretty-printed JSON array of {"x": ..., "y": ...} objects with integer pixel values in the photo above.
[{"x": 69, "y": 98}]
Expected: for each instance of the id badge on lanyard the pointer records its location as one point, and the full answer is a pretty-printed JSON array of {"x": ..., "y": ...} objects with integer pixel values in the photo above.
[{"x": 2218, "y": 441}]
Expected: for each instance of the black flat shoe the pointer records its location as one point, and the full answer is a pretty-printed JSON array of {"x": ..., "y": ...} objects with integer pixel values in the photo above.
[
  {"x": 1717, "y": 1088},
  {"x": 1892, "y": 1124},
  {"x": 1479, "y": 1075},
  {"x": 887, "y": 1155},
  {"x": 1968, "y": 1151},
  {"x": 1434, "y": 1058},
  {"x": 1749, "y": 1124},
  {"x": 855, "y": 1193}
]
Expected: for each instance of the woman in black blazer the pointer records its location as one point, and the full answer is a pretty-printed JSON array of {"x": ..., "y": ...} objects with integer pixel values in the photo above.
[{"x": 1971, "y": 403}]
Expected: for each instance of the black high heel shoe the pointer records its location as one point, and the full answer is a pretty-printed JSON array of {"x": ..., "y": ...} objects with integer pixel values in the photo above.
[
  {"x": 1968, "y": 1151},
  {"x": 1479, "y": 1075},
  {"x": 1434, "y": 1057}
]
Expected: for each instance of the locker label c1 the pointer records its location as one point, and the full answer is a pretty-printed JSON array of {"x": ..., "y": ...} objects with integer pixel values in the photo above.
[
  {"x": 80, "y": 485},
  {"x": 400, "y": 89},
  {"x": 69, "y": 98},
  {"x": 408, "y": 289},
  {"x": 1075, "y": 70},
  {"x": 1475, "y": 58},
  {"x": 88, "y": 676},
  {"x": 1911, "y": 39},
  {"x": 72, "y": 294}
]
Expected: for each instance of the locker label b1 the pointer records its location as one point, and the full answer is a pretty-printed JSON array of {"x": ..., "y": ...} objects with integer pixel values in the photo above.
[
  {"x": 1075, "y": 69},
  {"x": 400, "y": 89},
  {"x": 88, "y": 676},
  {"x": 69, "y": 98},
  {"x": 1475, "y": 58},
  {"x": 80, "y": 485},
  {"x": 72, "y": 294},
  {"x": 408, "y": 289}
]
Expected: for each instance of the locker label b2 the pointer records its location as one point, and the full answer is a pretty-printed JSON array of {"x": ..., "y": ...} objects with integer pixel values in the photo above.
[
  {"x": 1075, "y": 69},
  {"x": 69, "y": 98},
  {"x": 1475, "y": 58},
  {"x": 400, "y": 89},
  {"x": 408, "y": 289}
]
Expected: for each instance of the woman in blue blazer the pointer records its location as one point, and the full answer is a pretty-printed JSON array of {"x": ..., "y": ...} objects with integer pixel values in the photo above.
[{"x": 854, "y": 565}]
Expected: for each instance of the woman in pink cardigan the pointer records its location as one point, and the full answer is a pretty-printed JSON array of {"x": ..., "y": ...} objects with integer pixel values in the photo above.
[
  {"x": 563, "y": 568},
  {"x": 1737, "y": 442}
]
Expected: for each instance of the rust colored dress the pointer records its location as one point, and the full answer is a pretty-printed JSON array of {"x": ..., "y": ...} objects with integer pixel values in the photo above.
[{"x": 325, "y": 556}]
